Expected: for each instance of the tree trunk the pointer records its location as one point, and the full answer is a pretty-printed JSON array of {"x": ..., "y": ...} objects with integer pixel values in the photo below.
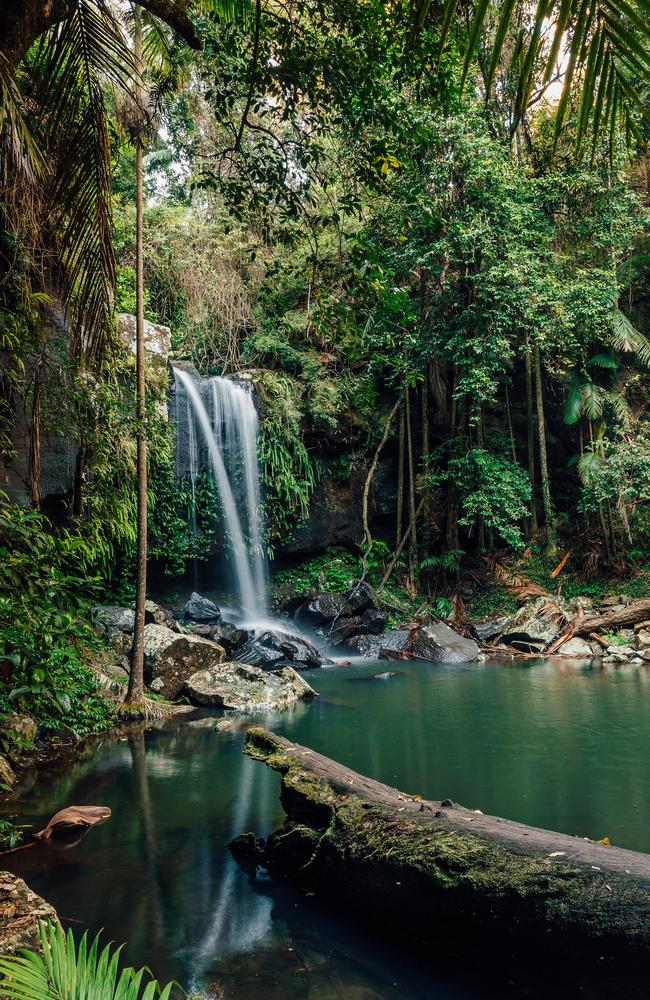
[
  {"x": 35, "y": 454},
  {"x": 79, "y": 476},
  {"x": 527, "y": 902},
  {"x": 638, "y": 611},
  {"x": 399, "y": 519},
  {"x": 135, "y": 692},
  {"x": 413, "y": 547},
  {"x": 530, "y": 432},
  {"x": 551, "y": 544},
  {"x": 426, "y": 447}
]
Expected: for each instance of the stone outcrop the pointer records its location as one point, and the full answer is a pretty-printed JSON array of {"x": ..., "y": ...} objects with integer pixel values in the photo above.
[
  {"x": 440, "y": 644},
  {"x": 20, "y": 911},
  {"x": 170, "y": 659},
  {"x": 240, "y": 687},
  {"x": 201, "y": 609},
  {"x": 275, "y": 648}
]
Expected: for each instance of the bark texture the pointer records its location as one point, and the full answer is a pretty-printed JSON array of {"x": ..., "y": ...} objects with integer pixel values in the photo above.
[{"x": 455, "y": 881}]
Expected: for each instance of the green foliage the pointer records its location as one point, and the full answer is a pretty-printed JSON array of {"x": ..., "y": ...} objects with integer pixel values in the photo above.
[
  {"x": 65, "y": 969},
  {"x": 11, "y": 834},
  {"x": 494, "y": 489},
  {"x": 45, "y": 638},
  {"x": 619, "y": 476},
  {"x": 491, "y": 602},
  {"x": 289, "y": 472}
]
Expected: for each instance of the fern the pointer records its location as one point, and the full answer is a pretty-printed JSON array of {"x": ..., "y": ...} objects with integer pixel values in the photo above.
[{"x": 65, "y": 971}]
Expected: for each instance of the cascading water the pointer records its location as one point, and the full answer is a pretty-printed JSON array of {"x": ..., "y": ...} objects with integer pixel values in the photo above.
[{"x": 222, "y": 414}]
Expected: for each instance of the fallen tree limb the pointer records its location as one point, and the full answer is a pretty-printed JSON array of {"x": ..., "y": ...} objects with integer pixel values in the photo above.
[
  {"x": 629, "y": 615},
  {"x": 453, "y": 880}
]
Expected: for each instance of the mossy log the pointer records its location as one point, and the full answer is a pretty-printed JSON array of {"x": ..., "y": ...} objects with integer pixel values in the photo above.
[{"x": 457, "y": 882}]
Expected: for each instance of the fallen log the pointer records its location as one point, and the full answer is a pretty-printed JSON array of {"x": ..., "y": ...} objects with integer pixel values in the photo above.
[
  {"x": 629, "y": 615},
  {"x": 455, "y": 882}
]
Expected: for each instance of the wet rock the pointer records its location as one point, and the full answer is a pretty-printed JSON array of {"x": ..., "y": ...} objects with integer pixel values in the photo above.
[
  {"x": 321, "y": 609},
  {"x": 324, "y": 608},
  {"x": 576, "y": 647},
  {"x": 379, "y": 647},
  {"x": 642, "y": 639},
  {"x": 111, "y": 621},
  {"x": 486, "y": 631},
  {"x": 244, "y": 688},
  {"x": 386, "y": 675},
  {"x": 20, "y": 912},
  {"x": 201, "y": 609},
  {"x": 440, "y": 644},
  {"x": 231, "y": 637},
  {"x": 375, "y": 620},
  {"x": 171, "y": 658},
  {"x": 7, "y": 775},
  {"x": 537, "y": 624},
  {"x": 343, "y": 628},
  {"x": 273, "y": 647}
]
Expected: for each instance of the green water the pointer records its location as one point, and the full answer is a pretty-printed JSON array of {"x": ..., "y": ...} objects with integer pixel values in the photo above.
[{"x": 554, "y": 744}]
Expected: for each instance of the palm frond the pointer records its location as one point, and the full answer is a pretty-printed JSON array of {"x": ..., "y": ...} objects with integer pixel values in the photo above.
[
  {"x": 63, "y": 970},
  {"x": 588, "y": 466},
  {"x": 620, "y": 407},
  {"x": 573, "y": 402},
  {"x": 600, "y": 50},
  {"x": 603, "y": 361},
  {"x": 592, "y": 398},
  {"x": 73, "y": 62},
  {"x": 21, "y": 153},
  {"x": 626, "y": 338}
]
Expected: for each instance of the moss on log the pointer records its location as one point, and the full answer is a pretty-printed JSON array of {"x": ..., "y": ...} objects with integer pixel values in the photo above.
[{"x": 455, "y": 881}]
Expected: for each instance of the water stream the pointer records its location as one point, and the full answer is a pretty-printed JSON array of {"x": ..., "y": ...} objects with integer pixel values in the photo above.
[
  {"x": 221, "y": 414},
  {"x": 558, "y": 744}
]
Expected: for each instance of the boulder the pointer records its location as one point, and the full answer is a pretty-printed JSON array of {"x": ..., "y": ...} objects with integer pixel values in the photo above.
[
  {"x": 576, "y": 647},
  {"x": 375, "y": 620},
  {"x": 440, "y": 644},
  {"x": 380, "y": 647},
  {"x": 154, "y": 614},
  {"x": 171, "y": 658},
  {"x": 486, "y": 631},
  {"x": 111, "y": 620},
  {"x": 642, "y": 639},
  {"x": 20, "y": 912},
  {"x": 231, "y": 637},
  {"x": 244, "y": 688},
  {"x": 323, "y": 608},
  {"x": 344, "y": 628},
  {"x": 273, "y": 647},
  {"x": 201, "y": 609},
  {"x": 537, "y": 624}
]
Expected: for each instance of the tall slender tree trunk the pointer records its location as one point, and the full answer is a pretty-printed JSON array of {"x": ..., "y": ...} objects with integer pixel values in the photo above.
[
  {"x": 35, "y": 450},
  {"x": 399, "y": 520},
  {"x": 136, "y": 679},
  {"x": 551, "y": 543},
  {"x": 530, "y": 432},
  {"x": 413, "y": 547},
  {"x": 426, "y": 447},
  {"x": 480, "y": 440}
]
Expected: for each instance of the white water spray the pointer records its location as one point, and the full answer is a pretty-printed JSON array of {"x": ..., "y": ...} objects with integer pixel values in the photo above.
[{"x": 224, "y": 413}]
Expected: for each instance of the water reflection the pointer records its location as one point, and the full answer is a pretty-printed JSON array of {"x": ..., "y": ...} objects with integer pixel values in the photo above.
[{"x": 556, "y": 744}]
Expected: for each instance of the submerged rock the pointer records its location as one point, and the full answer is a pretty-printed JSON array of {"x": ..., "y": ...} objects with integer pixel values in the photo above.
[
  {"x": 440, "y": 644},
  {"x": 244, "y": 688},
  {"x": 201, "y": 609},
  {"x": 20, "y": 912},
  {"x": 171, "y": 658}
]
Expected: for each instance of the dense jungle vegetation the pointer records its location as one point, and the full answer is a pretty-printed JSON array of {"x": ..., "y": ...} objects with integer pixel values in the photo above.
[{"x": 423, "y": 229}]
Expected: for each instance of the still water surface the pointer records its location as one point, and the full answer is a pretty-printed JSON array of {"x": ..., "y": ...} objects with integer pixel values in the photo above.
[{"x": 551, "y": 743}]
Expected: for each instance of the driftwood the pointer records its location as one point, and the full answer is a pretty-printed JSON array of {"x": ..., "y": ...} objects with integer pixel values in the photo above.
[
  {"x": 522, "y": 901},
  {"x": 631, "y": 614}
]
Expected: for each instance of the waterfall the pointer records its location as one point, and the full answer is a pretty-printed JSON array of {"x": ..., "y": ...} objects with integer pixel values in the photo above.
[{"x": 222, "y": 414}]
